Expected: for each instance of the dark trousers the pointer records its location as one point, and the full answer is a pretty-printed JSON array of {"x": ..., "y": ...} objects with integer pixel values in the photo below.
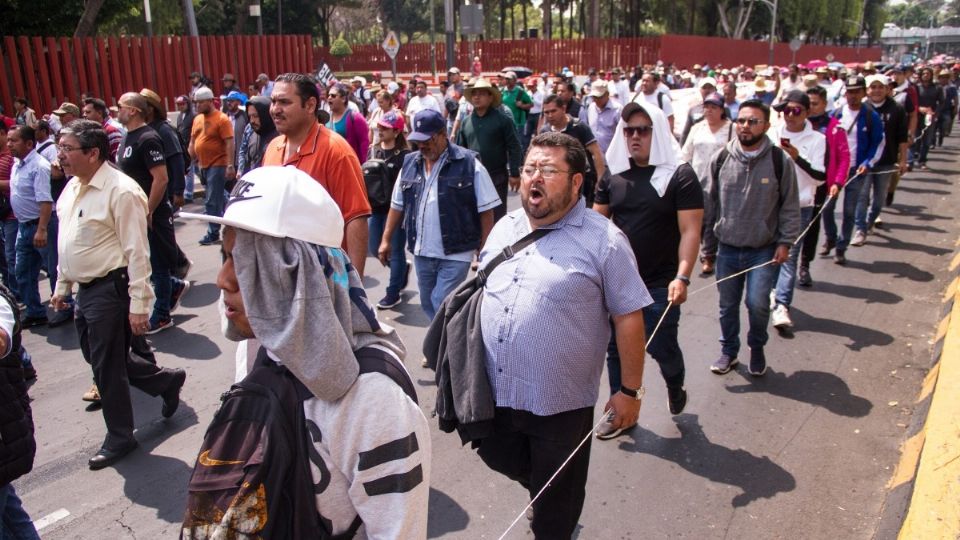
[
  {"x": 103, "y": 324},
  {"x": 813, "y": 235},
  {"x": 529, "y": 449},
  {"x": 664, "y": 347},
  {"x": 501, "y": 181}
]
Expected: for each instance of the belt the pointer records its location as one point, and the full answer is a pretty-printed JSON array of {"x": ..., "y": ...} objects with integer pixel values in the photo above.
[
  {"x": 111, "y": 276},
  {"x": 31, "y": 222}
]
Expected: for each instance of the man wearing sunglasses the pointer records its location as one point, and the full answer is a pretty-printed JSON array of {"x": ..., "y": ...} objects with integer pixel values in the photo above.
[
  {"x": 807, "y": 148},
  {"x": 755, "y": 214}
]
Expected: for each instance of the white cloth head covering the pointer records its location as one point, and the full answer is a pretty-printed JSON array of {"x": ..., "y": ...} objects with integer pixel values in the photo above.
[{"x": 664, "y": 149}]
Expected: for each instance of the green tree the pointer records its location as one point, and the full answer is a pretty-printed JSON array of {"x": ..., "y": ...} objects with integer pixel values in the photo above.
[{"x": 341, "y": 49}]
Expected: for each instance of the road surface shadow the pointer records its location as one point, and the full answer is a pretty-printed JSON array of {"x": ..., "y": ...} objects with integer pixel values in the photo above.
[
  {"x": 860, "y": 337},
  {"x": 758, "y": 477},
  {"x": 911, "y": 227},
  {"x": 445, "y": 515},
  {"x": 892, "y": 242},
  {"x": 916, "y": 212},
  {"x": 64, "y": 336},
  {"x": 924, "y": 191},
  {"x": 869, "y": 296},
  {"x": 896, "y": 269},
  {"x": 155, "y": 481},
  {"x": 925, "y": 180},
  {"x": 817, "y": 388},
  {"x": 200, "y": 295}
]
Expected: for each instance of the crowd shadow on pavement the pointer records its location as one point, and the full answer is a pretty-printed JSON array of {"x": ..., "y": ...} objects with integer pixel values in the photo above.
[
  {"x": 758, "y": 477},
  {"x": 916, "y": 211},
  {"x": 892, "y": 242},
  {"x": 155, "y": 481},
  {"x": 922, "y": 190},
  {"x": 200, "y": 295},
  {"x": 445, "y": 515},
  {"x": 897, "y": 269},
  {"x": 64, "y": 336},
  {"x": 860, "y": 337},
  {"x": 912, "y": 227},
  {"x": 817, "y": 388},
  {"x": 926, "y": 180},
  {"x": 869, "y": 296}
]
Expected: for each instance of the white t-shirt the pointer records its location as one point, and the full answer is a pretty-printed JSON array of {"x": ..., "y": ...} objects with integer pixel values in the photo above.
[
  {"x": 848, "y": 120},
  {"x": 418, "y": 104},
  {"x": 665, "y": 104},
  {"x": 812, "y": 147}
]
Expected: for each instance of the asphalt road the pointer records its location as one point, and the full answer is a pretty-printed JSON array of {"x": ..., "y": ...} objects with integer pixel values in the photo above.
[{"x": 804, "y": 452}]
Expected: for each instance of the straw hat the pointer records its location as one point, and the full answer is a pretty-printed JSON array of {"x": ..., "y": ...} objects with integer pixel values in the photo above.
[{"x": 481, "y": 83}]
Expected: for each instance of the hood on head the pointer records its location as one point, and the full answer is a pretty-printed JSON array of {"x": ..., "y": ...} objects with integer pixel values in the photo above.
[{"x": 262, "y": 104}]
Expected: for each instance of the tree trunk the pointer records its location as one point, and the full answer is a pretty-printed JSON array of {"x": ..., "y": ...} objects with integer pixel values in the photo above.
[
  {"x": 526, "y": 27},
  {"x": 570, "y": 19},
  {"x": 243, "y": 11},
  {"x": 513, "y": 22},
  {"x": 503, "y": 18},
  {"x": 691, "y": 24},
  {"x": 547, "y": 7},
  {"x": 88, "y": 21}
]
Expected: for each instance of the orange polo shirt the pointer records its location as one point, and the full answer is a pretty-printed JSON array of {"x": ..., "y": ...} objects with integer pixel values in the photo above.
[
  {"x": 329, "y": 159},
  {"x": 210, "y": 133}
]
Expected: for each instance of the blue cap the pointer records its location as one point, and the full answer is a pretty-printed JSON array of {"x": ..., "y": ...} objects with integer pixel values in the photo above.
[
  {"x": 426, "y": 124},
  {"x": 238, "y": 96}
]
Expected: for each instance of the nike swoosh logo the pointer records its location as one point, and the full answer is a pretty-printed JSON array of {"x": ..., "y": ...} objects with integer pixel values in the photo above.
[{"x": 207, "y": 461}]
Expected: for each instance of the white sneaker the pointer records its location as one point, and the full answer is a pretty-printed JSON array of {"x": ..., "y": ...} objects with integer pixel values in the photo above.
[
  {"x": 773, "y": 299},
  {"x": 859, "y": 238},
  {"x": 781, "y": 317}
]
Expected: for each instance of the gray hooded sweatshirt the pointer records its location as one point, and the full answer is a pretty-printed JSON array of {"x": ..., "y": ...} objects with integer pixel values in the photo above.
[{"x": 752, "y": 208}]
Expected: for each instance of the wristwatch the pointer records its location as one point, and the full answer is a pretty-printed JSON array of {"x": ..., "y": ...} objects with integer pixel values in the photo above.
[
  {"x": 683, "y": 278},
  {"x": 635, "y": 394}
]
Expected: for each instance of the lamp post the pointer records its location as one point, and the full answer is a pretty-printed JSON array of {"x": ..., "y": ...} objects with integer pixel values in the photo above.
[{"x": 773, "y": 26}]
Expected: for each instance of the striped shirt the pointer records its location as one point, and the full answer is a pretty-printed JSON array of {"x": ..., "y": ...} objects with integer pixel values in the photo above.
[
  {"x": 545, "y": 311},
  {"x": 30, "y": 186}
]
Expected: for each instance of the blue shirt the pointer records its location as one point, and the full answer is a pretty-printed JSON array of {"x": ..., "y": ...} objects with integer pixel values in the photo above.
[
  {"x": 603, "y": 123},
  {"x": 429, "y": 241},
  {"x": 29, "y": 186},
  {"x": 545, "y": 312}
]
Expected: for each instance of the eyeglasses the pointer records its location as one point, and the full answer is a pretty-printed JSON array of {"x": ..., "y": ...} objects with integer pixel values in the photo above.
[
  {"x": 333, "y": 95},
  {"x": 793, "y": 111},
  {"x": 66, "y": 148},
  {"x": 547, "y": 172},
  {"x": 749, "y": 122},
  {"x": 642, "y": 131}
]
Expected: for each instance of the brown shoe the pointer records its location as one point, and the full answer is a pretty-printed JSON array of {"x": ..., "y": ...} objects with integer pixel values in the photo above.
[
  {"x": 92, "y": 395},
  {"x": 707, "y": 267}
]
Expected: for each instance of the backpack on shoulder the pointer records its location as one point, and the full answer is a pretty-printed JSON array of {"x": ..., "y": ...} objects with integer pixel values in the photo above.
[
  {"x": 252, "y": 476},
  {"x": 376, "y": 176},
  {"x": 778, "y": 157}
]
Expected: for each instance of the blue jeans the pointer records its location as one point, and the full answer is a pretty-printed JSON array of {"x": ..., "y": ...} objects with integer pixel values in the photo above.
[
  {"x": 10, "y": 228},
  {"x": 787, "y": 279},
  {"x": 851, "y": 194},
  {"x": 731, "y": 260},
  {"x": 664, "y": 347},
  {"x": 188, "y": 183},
  {"x": 438, "y": 278},
  {"x": 216, "y": 197},
  {"x": 29, "y": 261},
  {"x": 398, "y": 260},
  {"x": 876, "y": 184},
  {"x": 17, "y": 524}
]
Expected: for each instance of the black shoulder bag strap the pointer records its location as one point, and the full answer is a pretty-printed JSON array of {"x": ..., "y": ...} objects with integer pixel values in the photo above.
[{"x": 508, "y": 253}]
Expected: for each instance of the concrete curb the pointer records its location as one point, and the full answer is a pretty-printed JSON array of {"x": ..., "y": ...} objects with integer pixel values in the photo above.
[{"x": 924, "y": 492}]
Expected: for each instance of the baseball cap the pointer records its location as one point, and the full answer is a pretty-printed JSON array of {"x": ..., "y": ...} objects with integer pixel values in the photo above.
[
  {"x": 202, "y": 94},
  {"x": 599, "y": 88},
  {"x": 283, "y": 202},
  {"x": 714, "y": 99},
  {"x": 392, "y": 87},
  {"x": 856, "y": 82},
  {"x": 67, "y": 108},
  {"x": 153, "y": 99},
  {"x": 707, "y": 80},
  {"x": 509, "y": 75},
  {"x": 181, "y": 99},
  {"x": 426, "y": 124},
  {"x": 237, "y": 96},
  {"x": 629, "y": 109},
  {"x": 392, "y": 120},
  {"x": 359, "y": 79},
  {"x": 229, "y": 77},
  {"x": 882, "y": 79},
  {"x": 453, "y": 70},
  {"x": 796, "y": 96}
]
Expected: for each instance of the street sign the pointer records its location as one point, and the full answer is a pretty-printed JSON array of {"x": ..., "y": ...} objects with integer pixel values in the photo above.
[
  {"x": 471, "y": 19},
  {"x": 795, "y": 44},
  {"x": 391, "y": 44}
]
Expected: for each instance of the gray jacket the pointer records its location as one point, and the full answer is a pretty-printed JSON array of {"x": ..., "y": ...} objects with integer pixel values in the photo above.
[{"x": 751, "y": 208}]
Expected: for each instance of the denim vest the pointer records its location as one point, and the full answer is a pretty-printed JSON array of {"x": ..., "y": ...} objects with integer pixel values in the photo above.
[{"x": 456, "y": 199}]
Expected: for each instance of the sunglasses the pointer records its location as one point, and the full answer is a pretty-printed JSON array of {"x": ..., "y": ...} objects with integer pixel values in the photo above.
[
  {"x": 749, "y": 122},
  {"x": 793, "y": 111},
  {"x": 642, "y": 131}
]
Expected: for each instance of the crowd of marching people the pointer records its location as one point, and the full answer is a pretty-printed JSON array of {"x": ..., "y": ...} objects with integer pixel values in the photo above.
[{"x": 630, "y": 181}]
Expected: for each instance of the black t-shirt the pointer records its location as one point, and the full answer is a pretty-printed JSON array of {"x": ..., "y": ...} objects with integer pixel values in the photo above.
[
  {"x": 649, "y": 220},
  {"x": 394, "y": 158},
  {"x": 141, "y": 151},
  {"x": 895, "y": 130}
]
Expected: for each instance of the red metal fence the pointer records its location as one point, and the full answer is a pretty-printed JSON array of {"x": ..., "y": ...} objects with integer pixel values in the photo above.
[
  {"x": 581, "y": 54},
  {"x": 48, "y": 71}
]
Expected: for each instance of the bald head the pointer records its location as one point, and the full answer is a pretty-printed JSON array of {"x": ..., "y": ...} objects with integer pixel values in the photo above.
[{"x": 133, "y": 110}]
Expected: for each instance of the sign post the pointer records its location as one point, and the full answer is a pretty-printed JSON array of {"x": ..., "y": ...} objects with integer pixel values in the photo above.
[
  {"x": 795, "y": 45},
  {"x": 392, "y": 46}
]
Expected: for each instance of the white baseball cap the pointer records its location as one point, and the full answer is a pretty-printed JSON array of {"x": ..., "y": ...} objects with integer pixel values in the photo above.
[
  {"x": 202, "y": 94},
  {"x": 283, "y": 202},
  {"x": 599, "y": 88},
  {"x": 707, "y": 80},
  {"x": 882, "y": 79}
]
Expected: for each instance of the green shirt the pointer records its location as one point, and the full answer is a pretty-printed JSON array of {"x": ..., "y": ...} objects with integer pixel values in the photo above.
[
  {"x": 511, "y": 98},
  {"x": 494, "y": 137}
]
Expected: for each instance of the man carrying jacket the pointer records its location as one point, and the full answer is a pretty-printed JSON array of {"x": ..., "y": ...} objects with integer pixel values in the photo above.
[
  {"x": 864, "y": 129},
  {"x": 756, "y": 219},
  {"x": 446, "y": 199}
]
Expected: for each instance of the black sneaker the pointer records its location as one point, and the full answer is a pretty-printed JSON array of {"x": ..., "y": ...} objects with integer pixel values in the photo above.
[
  {"x": 388, "y": 301},
  {"x": 60, "y": 318},
  {"x": 182, "y": 271},
  {"x": 840, "y": 258},
  {"x": 803, "y": 277},
  {"x": 158, "y": 326},
  {"x": 30, "y": 322},
  {"x": 676, "y": 399},
  {"x": 178, "y": 293},
  {"x": 210, "y": 240},
  {"x": 724, "y": 364},
  {"x": 758, "y": 362}
]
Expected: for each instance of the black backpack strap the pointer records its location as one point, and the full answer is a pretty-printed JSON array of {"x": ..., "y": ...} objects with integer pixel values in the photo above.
[
  {"x": 778, "y": 156},
  {"x": 718, "y": 164},
  {"x": 508, "y": 252},
  {"x": 374, "y": 360}
]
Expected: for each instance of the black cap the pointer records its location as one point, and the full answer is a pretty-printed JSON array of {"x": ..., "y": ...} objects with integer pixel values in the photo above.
[
  {"x": 796, "y": 96},
  {"x": 856, "y": 82},
  {"x": 629, "y": 109}
]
